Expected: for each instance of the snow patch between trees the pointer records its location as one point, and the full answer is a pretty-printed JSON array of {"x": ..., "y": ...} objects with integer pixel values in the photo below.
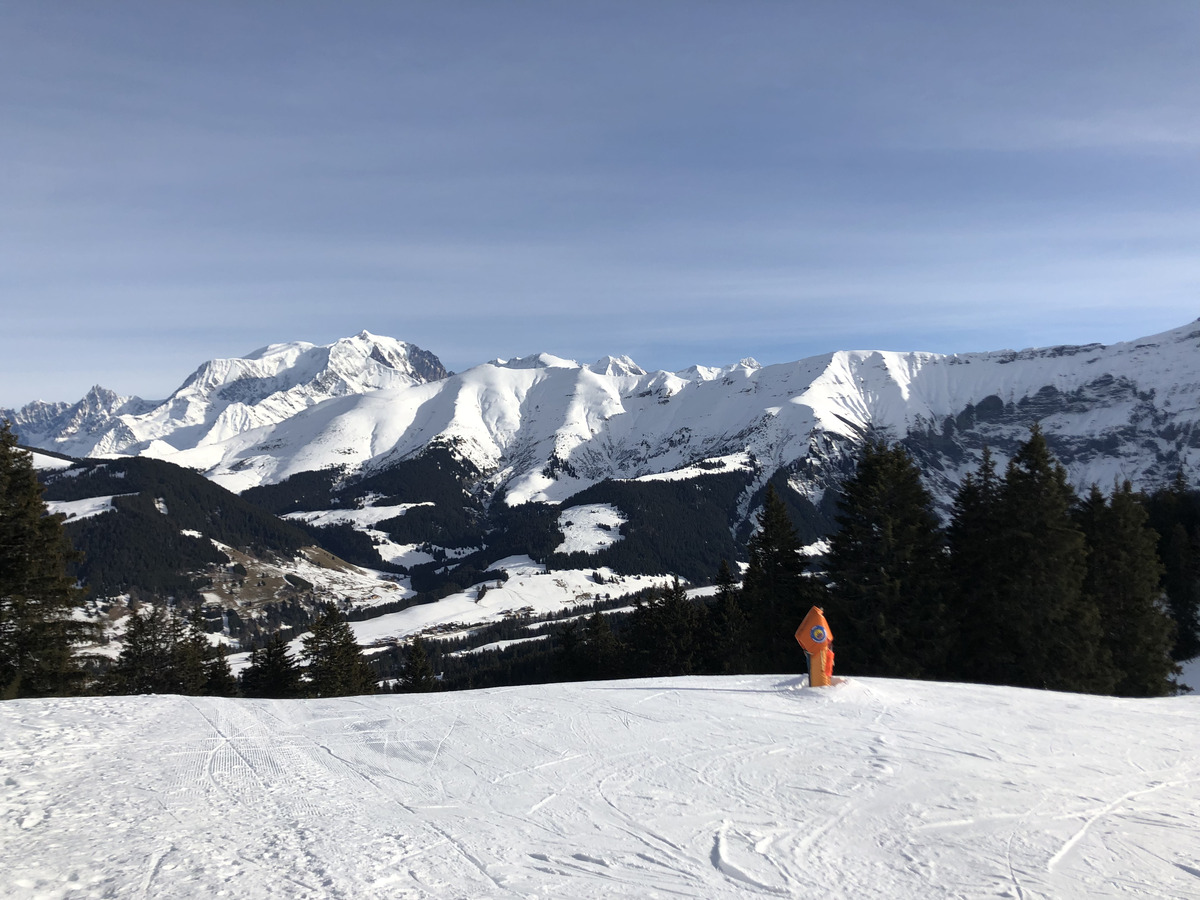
[{"x": 589, "y": 528}]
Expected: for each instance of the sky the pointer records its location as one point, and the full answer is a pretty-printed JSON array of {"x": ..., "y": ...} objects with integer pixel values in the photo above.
[{"x": 681, "y": 182}]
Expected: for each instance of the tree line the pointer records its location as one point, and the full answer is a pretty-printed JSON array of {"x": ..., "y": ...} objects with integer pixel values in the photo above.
[{"x": 1027, "y": 584}]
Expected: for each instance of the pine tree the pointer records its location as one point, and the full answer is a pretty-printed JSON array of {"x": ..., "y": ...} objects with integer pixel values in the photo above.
[
  {"x": 39, "y": 638},
  {"x": 776, "y": 594},
  {"x": 335, "y": 664},
  {"x": 1047, "y": 631},
  {"x": 218, "y": 676},
  {"x": 149, "y": 662},
  {"x": 272, "y": 672},
  {"x": 724, "y": 638},
  {"x": 974, "y": 575},
  {"x": 886, "y": 570},
  {"x": 602, "y": 652},
  {"x": 1181, "y": 580},
  {"x": 1123, "y": 580},
  {"x": 1175, "y": 515},
  {"x": 418, "y": 674},
  {"x": 663, "y": 632},
  {"x": 191, "y": 655}
]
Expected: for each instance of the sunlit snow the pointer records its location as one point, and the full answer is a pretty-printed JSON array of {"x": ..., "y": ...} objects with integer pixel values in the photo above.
[
  {"x": 75, "y": 510},
  {"x": 684, "y": 787},
  {"x": 589, "y": 528}
]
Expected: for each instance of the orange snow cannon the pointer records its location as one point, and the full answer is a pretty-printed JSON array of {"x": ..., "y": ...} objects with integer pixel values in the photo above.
[{"x": 817, "y": 640}]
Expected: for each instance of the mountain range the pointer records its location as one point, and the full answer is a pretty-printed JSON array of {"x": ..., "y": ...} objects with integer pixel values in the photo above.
[{"x": 543, "y": 428}]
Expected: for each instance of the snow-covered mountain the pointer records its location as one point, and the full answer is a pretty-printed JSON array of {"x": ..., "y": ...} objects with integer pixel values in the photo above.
[
  {"x": 225, "y": 397},
  {"x": 543, "y": 428}
]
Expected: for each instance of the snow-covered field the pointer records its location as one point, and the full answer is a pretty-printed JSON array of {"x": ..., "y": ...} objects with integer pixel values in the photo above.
[
  {"x": 529, "y": 590},
  {"x": 685, "y": 787}
]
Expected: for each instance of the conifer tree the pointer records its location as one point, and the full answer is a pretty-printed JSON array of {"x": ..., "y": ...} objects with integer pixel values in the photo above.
[
  {"x": 1175, "y": 515},
  {"x": 39, "y": 638},
  {"x": 335, "y": 663},
  {"x": 218, "y": 676},
  {"x": 724, "y": 638},
  {"x": 418, "y": 674},
  {"x": 149, "y": 658},
  {"x": 192, "y": 652},
  {"x": 664, "y": 631},
  {"x": 1047, "y": 631},
  {"x": 272, "y": 672},
  {"x": 776, "y": 594},
  {"x": 602, "y": 652},
  {"x": 974, "y": 574},
  {"x": 1123, "y": 580},
  {"x": 886, "y": 570},
  {"x": 1181, "y": 580}
]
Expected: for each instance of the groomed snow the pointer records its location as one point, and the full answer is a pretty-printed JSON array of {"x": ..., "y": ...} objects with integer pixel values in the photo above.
[{"x": 686, "y": 787}]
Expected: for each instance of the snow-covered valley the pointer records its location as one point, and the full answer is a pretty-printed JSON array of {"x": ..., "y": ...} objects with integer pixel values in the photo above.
[{"x": 686, "y": 787}]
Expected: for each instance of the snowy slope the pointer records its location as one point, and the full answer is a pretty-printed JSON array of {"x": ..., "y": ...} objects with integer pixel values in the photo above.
[
  {"x": 691, "y": 787},
  {"x": 226, "y": 397},
  {"x": 543, "y": 427}
]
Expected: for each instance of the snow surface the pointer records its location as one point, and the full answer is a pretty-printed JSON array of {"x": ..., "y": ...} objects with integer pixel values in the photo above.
[
  {"x": 295, "y": 407},
  {"x": 589, "y": 528},
  {"x": 42, "y": 461},
  {"x": 82, "y": 509},
  {"x": 529, "y": 590},
  {"x": 683, "y": 787}
]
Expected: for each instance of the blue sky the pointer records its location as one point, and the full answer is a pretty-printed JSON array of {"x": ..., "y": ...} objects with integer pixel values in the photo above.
[{"x": 682, "y": 182}]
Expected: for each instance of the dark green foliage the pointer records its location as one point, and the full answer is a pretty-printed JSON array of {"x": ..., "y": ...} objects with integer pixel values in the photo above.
[
  {"x": 526, "y": 529},
  {"x": 418, "y": 677},
  {"x": 348, "y": 543},
  {"x": 725, "y": 628},
  {"x": 1175, "y": 515},
  {"x": 301, "y": 492},
  {"x": 134, "y": 548},
  {"x": 676, "y": 527},
  {"x": 1181, "y": 581},
  {"x": 446, "y": 525},
  {"x": 776, "y": 594},
  {"x": 1038, "y": 629},
  {"x": 335, "y": 666},
  {"x": 601, "y": 651},
  {"x": 163, "y": 654},
  {"x": 663, "y": 633},
  {"x": 1052, "y": 624},
  {"x": 147, "y": 664},
  {"x": 886, "y": 570},
  {"x": 974, "y": 573},
  {"x": 138, "y": 546},
  {"x": 1123, "y": 580},
  {"x": 272, "y": 672},
  {"x": 38, "y": 636}
]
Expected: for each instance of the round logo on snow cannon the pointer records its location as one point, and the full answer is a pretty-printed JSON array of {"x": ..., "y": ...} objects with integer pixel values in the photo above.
[{"x": 817, "y": 634}]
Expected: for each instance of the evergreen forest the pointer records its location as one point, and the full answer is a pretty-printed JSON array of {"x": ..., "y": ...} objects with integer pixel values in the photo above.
[{"x": 1025, "y": 584}]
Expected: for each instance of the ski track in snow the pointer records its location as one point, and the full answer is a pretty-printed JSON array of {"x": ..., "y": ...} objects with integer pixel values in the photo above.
[{"x": 687, "y": 787}]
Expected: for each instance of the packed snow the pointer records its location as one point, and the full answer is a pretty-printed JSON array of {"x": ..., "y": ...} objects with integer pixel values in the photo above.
[{"x": 683, "y": 787}]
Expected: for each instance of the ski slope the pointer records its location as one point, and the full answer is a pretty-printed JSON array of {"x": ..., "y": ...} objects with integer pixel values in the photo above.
[{"x": 685, "y": 787}]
